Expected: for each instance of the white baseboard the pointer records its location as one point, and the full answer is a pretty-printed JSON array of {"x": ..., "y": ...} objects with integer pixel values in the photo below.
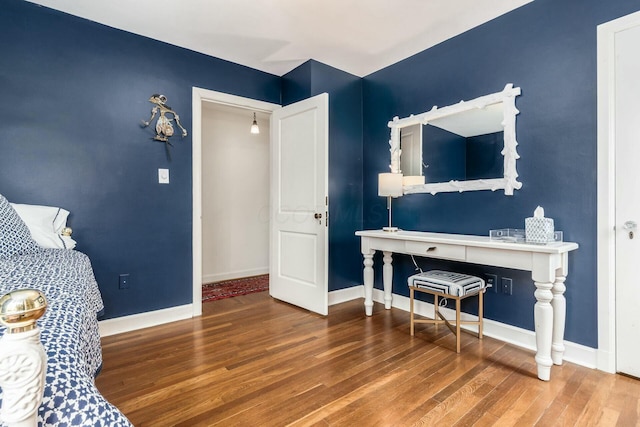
[
  {"x": 218, "y": 277},
  {"x": 606, "y": 361},
  {"x": 346, "y": 294},
  {"x": 574, "y": 353},
  {"x": 124, "y": 324},
  {"x": 144, "y": 320}
]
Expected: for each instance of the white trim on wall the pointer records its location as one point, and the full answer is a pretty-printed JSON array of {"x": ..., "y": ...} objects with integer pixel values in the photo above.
[
  {"x": 574, "y": 353},
  {"x": 199, "y": 96},
  {"x": 134, "y": 322},
  {"x": 606, "y": 189}
]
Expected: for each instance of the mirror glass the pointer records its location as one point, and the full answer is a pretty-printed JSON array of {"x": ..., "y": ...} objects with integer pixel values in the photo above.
[
  {"x": 466, "y": 146},
  {"x": 462, "y": 147}
]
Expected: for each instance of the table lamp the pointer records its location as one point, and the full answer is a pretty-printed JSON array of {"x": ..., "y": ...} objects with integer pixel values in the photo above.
[{"x": 390, "y": 185}]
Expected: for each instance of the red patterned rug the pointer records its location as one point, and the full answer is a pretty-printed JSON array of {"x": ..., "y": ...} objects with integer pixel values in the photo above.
[{"x": 234, "y": 287}]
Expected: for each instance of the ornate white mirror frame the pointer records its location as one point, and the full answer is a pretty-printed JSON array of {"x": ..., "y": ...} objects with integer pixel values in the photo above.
[{"x": 508, "y": 182}]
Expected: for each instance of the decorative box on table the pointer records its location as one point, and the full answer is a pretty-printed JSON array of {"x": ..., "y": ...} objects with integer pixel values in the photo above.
[{"x": 539, "y": 229}]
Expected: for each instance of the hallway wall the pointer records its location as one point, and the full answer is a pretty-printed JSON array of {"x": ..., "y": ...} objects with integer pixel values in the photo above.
[{"x": 235, "y": 193}]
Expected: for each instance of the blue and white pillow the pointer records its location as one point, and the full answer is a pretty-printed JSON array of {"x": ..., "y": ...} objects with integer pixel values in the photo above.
[{"x": 15, "y": 238}]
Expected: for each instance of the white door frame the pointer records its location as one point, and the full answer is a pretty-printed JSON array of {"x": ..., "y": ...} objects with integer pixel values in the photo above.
[
  {"x": 199, "y": 96},
  {"x": 606, "y": 190}
]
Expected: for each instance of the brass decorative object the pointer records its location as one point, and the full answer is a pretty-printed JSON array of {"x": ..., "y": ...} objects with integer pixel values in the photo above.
[
  {"x": 20, "y": 309},
  {"x": 23, "y": 361},
  {"x": 164, "y": 127}
]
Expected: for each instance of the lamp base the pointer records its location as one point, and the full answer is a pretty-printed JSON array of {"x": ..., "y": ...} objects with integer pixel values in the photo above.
[{"x": 390, "y": 229}]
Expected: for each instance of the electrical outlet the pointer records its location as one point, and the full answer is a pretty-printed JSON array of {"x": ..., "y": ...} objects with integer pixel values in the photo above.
[
  {"x": 507, "y": 286},
  {"x": 123, "y": 281},
  {"x": 492, "y": 279}
]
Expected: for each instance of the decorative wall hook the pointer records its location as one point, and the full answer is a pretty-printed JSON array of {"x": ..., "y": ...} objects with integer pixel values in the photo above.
[{"x": 164, "y": 128}]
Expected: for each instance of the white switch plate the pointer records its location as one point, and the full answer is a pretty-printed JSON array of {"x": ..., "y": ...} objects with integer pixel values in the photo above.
[{"x": 163, "y": 176}]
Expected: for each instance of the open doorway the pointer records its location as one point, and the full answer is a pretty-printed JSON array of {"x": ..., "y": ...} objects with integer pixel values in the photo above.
[
  {"x": 235, "y": 193},
  {"x": 231, "y": 180}
]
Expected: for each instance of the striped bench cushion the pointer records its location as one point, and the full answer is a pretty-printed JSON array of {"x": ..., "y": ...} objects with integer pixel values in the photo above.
[{"x": 446, "y": 282}]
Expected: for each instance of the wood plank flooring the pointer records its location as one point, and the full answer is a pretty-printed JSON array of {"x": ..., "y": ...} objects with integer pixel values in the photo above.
[{"x": 255, "y": 361}]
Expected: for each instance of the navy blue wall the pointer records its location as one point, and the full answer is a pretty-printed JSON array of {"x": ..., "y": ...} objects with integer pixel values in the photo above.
[
  {"x": 73, "y": 95},
  {"x": 548, "y": 48},
  {"x": 345, "y": 161},
  {"x": 296, "y": 84}
]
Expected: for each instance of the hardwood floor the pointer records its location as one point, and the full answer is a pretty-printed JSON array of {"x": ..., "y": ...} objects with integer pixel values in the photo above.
[{"x": 255, "y": 361}]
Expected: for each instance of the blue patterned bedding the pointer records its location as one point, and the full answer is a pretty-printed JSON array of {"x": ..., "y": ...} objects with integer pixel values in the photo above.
[
  {"x": 69, "y": 333},
  {"x": 69, "y": 327}
]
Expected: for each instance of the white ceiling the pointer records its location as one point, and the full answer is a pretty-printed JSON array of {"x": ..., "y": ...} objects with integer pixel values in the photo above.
[{"x": 357, "y": 36}]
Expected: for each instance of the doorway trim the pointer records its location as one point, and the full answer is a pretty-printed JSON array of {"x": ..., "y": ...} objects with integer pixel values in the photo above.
[
  {"x": 606, "y": 355},
  {"x": 199, "y": 96}
]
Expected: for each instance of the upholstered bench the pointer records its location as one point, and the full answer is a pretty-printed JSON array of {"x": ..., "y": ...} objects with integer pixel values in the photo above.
[{"x": 445, "y": 284}]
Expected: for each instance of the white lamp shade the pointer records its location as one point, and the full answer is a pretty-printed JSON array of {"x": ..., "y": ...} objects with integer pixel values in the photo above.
[{"x": 390, "y": 184}]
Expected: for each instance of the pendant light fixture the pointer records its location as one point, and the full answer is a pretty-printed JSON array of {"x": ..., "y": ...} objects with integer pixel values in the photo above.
[{"x": 254, "y": 127}]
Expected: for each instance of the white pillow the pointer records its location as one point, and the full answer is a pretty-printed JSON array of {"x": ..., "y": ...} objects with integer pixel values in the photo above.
[{"x": 45, "y": 224}]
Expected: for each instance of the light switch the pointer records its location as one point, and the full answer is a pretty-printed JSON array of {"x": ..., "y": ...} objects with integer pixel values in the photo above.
[{"x": 163, "y": 176}]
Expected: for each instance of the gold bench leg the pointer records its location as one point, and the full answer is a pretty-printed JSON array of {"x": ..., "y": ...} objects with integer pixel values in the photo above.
[
  {"x": 457, "y": 330},
  {"x": 436, "y": 312},
  {"x": 411, "y": 295},
  {"x": 480, "y": 313},
  {"x": 457, "y": 325}
]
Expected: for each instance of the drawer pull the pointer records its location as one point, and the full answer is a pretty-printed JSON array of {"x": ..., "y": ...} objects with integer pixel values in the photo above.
[{"x": 436, "y": 250}]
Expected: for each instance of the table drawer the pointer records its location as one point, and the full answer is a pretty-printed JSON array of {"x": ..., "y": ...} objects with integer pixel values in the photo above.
[{"x": 436, "y": 250}]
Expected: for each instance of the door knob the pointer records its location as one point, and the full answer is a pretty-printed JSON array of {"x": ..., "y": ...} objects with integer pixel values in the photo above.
[
  {"x": 630, "y": 226},
  {"x": 318, "y": 216}
]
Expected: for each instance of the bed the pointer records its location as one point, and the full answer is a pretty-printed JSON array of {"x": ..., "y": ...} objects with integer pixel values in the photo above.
[{"x": 69, "y": 327}]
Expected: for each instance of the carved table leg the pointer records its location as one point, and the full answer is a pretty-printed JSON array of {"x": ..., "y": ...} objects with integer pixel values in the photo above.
[
  {"x": 23, "y": 365},
  {"x": 387, "y": 278},
  {"x": 367, "y": 276},
  {"x": 559, "y": 305},
  {"x": 543, "y": 316}
]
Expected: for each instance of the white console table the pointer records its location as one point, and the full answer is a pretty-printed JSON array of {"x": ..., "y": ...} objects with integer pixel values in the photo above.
[{"x": 547, "y": 263}]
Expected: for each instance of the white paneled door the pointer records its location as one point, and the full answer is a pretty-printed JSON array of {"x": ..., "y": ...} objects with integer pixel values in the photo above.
[
  {"x": 299, "y": 204},
  {"x": 627, "y": 158}
]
